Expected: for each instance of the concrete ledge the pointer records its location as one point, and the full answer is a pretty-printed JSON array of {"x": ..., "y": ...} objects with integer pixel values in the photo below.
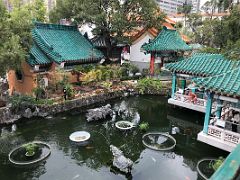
[
  {"x": 226, "y": 146},
  {"x": 187, "y": 105}
]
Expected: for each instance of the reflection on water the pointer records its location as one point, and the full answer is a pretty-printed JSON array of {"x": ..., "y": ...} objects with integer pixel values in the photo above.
[{"x": 68, "y": 161}]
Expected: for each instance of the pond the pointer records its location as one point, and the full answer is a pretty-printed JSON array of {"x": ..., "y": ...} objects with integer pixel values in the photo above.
[{"x": 70, "y": 162}]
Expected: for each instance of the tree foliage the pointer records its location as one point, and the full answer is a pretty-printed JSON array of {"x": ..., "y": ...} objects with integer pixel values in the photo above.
[
  {"x": 218, "y": 35},
  {"x": 212, "y": 6},
  {"x": 15, "y": 32},
  {"x": 109, "y": 18}
]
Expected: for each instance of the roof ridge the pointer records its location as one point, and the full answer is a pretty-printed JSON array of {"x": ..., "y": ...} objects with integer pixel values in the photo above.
[{"x": 41, "y": 25}]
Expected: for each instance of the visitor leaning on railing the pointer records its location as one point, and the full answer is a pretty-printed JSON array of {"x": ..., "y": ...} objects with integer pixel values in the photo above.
[{"x": 190, "y": 97}]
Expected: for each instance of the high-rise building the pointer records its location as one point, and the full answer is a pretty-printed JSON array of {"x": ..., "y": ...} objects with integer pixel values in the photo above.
[
  {"x": 170, "y": 6},
  {"x": 50, "y": 4},
  {"x": 195, "y": 5}
]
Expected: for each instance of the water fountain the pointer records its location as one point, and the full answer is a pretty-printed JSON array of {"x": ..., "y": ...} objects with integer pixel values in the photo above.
[
  {"x": 159, "y": 141},
  {"x": 29, "y": 153}
]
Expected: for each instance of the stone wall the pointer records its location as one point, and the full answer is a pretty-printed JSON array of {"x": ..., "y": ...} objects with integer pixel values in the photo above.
[{"x": 6, "y": 117}]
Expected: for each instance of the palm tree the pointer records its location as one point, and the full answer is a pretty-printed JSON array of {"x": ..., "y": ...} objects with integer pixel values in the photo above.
[{"x": 185, "y": 9}]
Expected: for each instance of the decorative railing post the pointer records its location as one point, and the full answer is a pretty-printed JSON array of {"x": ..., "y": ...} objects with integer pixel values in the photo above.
[
  {"x": 219, "y": 108},
  {"x": 208, "y": 112},
  {"x": 174, "y": 84}
]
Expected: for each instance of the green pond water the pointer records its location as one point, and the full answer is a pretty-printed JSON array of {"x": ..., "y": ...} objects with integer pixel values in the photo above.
[{"x": 93, "y": 162}]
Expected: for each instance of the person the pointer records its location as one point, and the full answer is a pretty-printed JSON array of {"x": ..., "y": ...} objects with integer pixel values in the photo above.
[
  {"x": 65, "y": 93},
  {"x": 192, "y": 97}
]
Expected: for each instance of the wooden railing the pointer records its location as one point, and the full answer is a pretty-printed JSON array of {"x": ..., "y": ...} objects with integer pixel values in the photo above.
[
  {"x": 187, "y": 99},
  {"x": 224, "y": 135}
]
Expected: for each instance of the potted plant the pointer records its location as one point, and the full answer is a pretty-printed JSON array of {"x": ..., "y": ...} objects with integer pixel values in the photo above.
[{"x": 31, "y": 149}]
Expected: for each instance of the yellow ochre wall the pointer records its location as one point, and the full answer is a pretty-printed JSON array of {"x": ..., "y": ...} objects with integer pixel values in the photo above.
[
  {"x": 29, "y": 82},
  {"x": 24, "y": 86}
]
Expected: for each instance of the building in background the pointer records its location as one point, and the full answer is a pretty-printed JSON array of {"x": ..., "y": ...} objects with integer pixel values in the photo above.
[
  {"x": 181, "y": 17},
  {"x": 195, "y": 6},
  {"x": 170, "y": 6},
  {"x": 50, "y": 4}
]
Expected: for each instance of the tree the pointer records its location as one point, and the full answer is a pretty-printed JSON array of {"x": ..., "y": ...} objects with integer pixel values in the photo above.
[
  {"x": 221, "y": 35},
  {"x": 110, "y": 17},
  {"x": 10, "y": 50},
  {"x": 63, "y": 9},
  {"x": 185, "y": 9},
  {"x": 15, "y": 32},
  {"x": 212, "y": 6},
  {"x": 194, "y": 21}
]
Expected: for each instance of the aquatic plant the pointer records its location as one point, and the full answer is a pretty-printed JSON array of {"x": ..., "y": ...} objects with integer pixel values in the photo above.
[
  {"x": 144, "y": 126},
  {"x": 217, "y": 163},
  {"x": 30, "y": 148}
]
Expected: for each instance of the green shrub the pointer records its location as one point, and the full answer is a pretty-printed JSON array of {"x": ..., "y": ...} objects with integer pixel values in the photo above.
[
  {"x": 145, "y": 72},
  {"x": 39, "y": 92},
  {"x": 107, "y": 84},
  {"x": 83, "y": 68},
  {"x": 21, "y": 101},
  {"x": 128, "y": 67},
  {"x": 70, "y": 90},
  {"x": 44, "y": 102},
  {"x": 147, "y": 84},
  {"x": 124, "y": 71},
  {"x": 62, "y": 83}
]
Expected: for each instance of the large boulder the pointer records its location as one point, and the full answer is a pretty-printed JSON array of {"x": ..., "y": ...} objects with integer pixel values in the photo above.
[
  {"x": 99, "y": 113},
  {"x": 27, "y": 113},
  {"x": 120, "y": 161}
]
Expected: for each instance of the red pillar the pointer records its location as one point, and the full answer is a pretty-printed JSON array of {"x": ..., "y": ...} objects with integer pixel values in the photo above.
[{"x": 152, "y": 62}]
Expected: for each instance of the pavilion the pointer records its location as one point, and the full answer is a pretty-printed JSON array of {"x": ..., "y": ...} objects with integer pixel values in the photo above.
[
  {"x": 168, "y": 45},
  {"x": 54, "y": 46},
  {"x": 198, "y": 65},
  {"x": 223, "y": 129}
]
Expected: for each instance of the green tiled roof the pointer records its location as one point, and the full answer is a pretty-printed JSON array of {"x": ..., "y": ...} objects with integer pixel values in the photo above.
[
  {"x": 100, "y": 42},
  {"x": 167, "y": 40},
  {"x": 37, "y": 57},
  {"x": 62, "y": 43},
  {"x": 202, "y": 64},
  {"x": 225, "y": 84}
]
